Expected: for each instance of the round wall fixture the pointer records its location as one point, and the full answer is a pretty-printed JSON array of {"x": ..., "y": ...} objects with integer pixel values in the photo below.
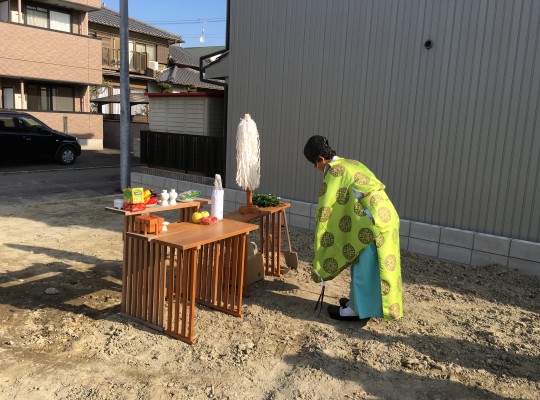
[{"x": 428, "y": 44}]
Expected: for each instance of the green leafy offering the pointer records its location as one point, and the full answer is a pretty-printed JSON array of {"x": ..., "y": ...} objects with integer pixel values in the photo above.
[{"x": 265, "y": 200}]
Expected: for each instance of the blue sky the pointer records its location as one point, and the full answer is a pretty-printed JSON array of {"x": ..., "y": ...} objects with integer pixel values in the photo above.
[{"x": 186, "y": 18}]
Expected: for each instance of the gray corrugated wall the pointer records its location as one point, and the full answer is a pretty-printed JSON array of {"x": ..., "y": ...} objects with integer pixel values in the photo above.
[{"x": 453, "y": 132}]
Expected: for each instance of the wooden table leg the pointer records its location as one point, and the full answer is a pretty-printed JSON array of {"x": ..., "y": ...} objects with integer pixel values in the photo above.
[
  {"x": 267, "y": 244},
  {"x": 192, "y": 281},
  {"x": 278, "y": 243}
]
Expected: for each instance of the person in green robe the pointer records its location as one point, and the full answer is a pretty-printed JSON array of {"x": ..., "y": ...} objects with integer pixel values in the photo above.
[{"x": 357, "y": 226}]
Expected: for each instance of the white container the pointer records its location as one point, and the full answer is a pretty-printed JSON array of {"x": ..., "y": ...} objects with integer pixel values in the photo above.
[
  {"x": 216, "y": 209},
  {"x": 118, "y": 203},
  {"x": 172, "y": 197},
  {"x": 164, "y": 196}
]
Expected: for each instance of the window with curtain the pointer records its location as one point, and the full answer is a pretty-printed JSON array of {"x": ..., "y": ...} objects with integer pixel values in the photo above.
[
  {"x": 62, "y": 98},
  {"x": 151, "y": 50},
  {"x": 50, "y": 98},
  {"x": 115, "y": 107},
  {"x": 103, "y": 91},
  {"x": 37, "y": 16},
  {"x": 46, "y": 18},
  {"x": 60, "y": 21},
  {"x": 138, "y": 109},
  {"x": 130, "y": 55}
]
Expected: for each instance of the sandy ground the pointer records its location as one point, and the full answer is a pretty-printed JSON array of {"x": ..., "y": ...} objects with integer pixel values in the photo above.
[{"x": 468, "y": 333}]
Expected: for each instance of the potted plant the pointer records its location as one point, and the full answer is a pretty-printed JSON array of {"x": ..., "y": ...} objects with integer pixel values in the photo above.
[{"x": 165, "y": 87}]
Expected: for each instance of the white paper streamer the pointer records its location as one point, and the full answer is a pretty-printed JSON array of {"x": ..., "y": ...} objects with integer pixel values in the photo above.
[{"x": 248, "y": 170}]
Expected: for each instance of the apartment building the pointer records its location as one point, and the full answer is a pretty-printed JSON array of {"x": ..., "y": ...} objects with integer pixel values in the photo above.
[
  {"x": 148, "y": 54},
  {"x": 48, "y": 63}
]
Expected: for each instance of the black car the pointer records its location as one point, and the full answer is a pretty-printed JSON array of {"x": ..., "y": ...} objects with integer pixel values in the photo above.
[{"x": 23, "y": 136}]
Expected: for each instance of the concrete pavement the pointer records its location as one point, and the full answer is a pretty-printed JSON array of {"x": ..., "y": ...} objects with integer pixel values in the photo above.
[
  {"x": 95, "y": 173},
  {"x": 106, "y": 158}
]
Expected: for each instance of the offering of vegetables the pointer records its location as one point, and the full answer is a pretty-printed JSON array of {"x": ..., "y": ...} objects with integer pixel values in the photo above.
[
  {"x": 208, "y": 220},
  {"x": 150, "y": 197},
  {"x": 188, "y": 195},
  {"x": 265, "y": 200}
]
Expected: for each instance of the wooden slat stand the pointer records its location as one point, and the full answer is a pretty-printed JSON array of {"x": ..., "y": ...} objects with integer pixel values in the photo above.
[
  {"x": 269, "y": 234},
  {"x": 164, "y": 276},
  {"x": 143, "y": 288},
  {"x": 181, "y": 293},
  {"x": 221, "y": 277}
]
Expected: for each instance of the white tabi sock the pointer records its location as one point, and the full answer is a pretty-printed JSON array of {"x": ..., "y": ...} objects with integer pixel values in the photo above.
[{"x": 347, "y": 312}]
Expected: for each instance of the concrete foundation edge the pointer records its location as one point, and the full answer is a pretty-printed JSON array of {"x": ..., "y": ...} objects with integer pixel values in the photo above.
[{"x": 460, "y": 246}]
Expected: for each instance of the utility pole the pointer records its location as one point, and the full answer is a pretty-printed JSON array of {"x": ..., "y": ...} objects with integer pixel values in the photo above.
[{"x": 125, "y": 106}]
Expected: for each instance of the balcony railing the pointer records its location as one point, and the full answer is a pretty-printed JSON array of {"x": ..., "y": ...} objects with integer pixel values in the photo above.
[
  {"x": 111, "y": 58},
  {"x": 187, "y": 153}
]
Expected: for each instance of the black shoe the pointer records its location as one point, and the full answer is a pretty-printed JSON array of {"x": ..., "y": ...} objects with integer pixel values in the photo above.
[
  {"x": 333, "y": 312},
  {"x": 343, "y": 302}
]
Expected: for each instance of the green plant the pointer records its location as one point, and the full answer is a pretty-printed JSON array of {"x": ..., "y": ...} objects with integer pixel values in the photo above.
[
  {"x": 265, "y": 200},
  {"x": 164, "y": 86}
]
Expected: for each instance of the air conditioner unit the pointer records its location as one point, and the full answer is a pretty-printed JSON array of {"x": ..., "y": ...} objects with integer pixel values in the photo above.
[{"x": 153, "y": 65}]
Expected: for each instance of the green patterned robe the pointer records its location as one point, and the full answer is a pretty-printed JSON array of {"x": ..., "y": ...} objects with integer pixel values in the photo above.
[{"x": 344, "y": 229}]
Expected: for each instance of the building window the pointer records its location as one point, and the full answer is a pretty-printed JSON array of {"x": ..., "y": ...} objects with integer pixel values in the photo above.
[
  {"x": 151, "y": 50},
  {"x": 45, "y": 18},
  {"x": 143, "y": 53},
  {"x": 37, "y": 16},
  {"x": 60, "y": 21},
  {"x": 50, "y": 98}
]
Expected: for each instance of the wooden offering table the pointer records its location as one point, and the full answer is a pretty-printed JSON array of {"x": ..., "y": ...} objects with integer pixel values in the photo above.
[
  {"x": 186, "y": 211},
  {"x": 269, "y": 233},
  {"x": 164, "y": 275}
]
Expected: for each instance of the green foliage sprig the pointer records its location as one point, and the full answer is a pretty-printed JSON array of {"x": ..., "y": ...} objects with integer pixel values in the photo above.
[{"x": 265, "y": 200}]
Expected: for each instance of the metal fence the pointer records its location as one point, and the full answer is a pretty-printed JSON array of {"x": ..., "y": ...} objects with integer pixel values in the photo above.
[{"x": 183, "y": 152}]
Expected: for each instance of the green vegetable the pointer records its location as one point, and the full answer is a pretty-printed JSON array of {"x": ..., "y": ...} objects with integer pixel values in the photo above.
[{"x": 265, "y": 200}]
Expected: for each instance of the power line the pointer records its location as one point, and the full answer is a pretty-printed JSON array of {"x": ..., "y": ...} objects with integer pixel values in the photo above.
[{"x": 186, "y": 22}]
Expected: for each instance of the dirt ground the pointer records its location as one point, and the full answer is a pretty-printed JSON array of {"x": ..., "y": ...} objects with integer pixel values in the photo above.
[{"x": 467, "y": 333}]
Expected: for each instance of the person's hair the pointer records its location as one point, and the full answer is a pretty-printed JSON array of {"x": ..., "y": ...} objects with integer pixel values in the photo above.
[
  {"x": 328, "y": 153},
  {"x": 317, "y": 146}
]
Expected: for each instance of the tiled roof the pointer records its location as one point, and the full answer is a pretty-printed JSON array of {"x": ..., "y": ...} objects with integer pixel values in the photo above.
[
  {"x": 184, "y": 76},
  {"x": 106, "y": 16},
  {"x": 202, "y": 51},
  {"x": 184, "y": 57},
  {"x": 134, "y": 98}
]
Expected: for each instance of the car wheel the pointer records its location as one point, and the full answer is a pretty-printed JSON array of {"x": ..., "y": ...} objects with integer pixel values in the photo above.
[{"x": 66, "y": 155}]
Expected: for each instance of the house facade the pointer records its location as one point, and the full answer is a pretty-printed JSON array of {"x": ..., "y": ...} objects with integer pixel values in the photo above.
[
  {"x": 438, "y": 98},
  {"x": 48, "y": 62},
  {"x": 182, "y": 73},
  {"x": 148, "y": 54}
]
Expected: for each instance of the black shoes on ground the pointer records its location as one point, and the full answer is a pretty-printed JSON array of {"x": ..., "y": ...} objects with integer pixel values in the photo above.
[
  {"x": 344, "y": 302},
  {"x": 333, "y": 312}
]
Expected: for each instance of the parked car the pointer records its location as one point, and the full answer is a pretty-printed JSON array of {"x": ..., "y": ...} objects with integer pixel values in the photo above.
[{"x": 23, "y": 136}]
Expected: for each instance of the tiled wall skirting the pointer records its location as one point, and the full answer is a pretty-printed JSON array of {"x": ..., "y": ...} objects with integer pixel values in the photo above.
[{"x": 465, "y": 247}]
